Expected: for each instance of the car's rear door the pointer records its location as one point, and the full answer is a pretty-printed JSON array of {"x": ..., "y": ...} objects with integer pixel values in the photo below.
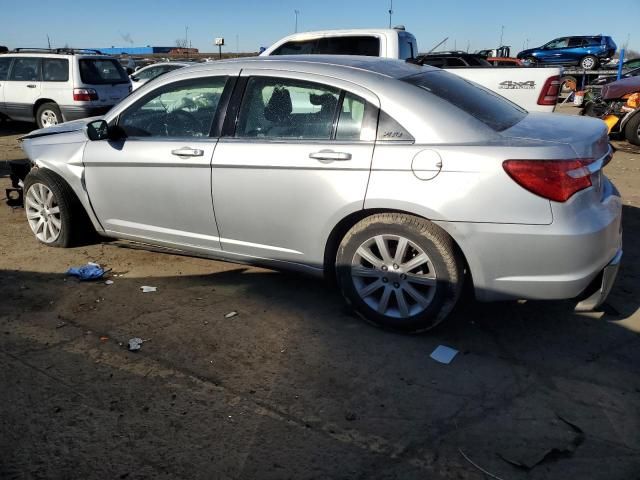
[
  {"x": 155, "y": 183},
  {"x": 296, "y": 162},
  {"x": 22, "y": 90},
  {"x": 5, "y": 64}
]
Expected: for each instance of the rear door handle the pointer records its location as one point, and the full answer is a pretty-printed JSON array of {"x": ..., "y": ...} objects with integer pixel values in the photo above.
[
  {"x": 330, "y": 155},
  {"x": 31, "y": 86},
  {"x": 187, "y": 152}
]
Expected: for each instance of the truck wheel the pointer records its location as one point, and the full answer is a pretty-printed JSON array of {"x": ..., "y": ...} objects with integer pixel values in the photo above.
[
  {"x": 399, "y": 272},
  {"x": 48, "y": 115},
  {"x": 632, "y": 129},
  {"x": 589, "y": 62},
  {"x": 54, "y": 213}
]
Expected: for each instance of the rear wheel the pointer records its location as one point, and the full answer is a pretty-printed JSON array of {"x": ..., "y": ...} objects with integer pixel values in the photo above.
[
  {"x": 399, "y": 272},
  {"x": 589, "y": 62},
  {"x": 48, "y": 115},
  {"x": 632, "y": 129}
]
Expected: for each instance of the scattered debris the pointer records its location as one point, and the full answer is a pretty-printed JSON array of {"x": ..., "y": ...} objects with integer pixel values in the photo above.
[
  {"x": 61, "y": 324},
  {"x": 104, "y": 338},
  {"x": 135, "y": 344},
  {"x": 147, "y": 289},
  {"x": 90, "y": 271},
  {"x": 444, "y": 354},
  {"x": 231, "y": 314},
  {"x": 108, "y": 282},
  {"x": 350, "y": 416},
  {"x": 535, "y": 459},
  {"x": 478, "y": 466}
]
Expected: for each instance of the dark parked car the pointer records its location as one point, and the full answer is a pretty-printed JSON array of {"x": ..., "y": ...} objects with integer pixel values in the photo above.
[
  {"x": 452, "y": 59},
  {"x": 586, "y": 52},
  {"x": 613, "y": 78}
]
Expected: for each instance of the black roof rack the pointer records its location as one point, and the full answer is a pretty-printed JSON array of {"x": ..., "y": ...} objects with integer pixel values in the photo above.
[{"x": 67, "y": 51}]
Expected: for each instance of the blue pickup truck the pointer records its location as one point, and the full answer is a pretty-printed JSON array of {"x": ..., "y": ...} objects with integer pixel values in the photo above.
[{"x": 586, "y": 52}]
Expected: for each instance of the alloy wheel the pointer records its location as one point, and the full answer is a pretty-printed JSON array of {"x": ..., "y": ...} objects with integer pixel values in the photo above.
[
  {"x": 43, "y": 213},
  {"x": 48, "y": 118},
  {"x": 393, "y": 276}
]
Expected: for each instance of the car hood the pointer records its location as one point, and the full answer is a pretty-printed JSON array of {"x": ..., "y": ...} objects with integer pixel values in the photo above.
[
  {"x": 66, "y": 127},
  {"x": 524, "y": 53},
  {"x": 620, "y": 88},
  {"x": 586, "y": 136}
]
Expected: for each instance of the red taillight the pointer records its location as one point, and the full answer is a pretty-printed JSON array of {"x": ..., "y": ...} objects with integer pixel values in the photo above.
[
  {"x": 556, "y": 180},
  {"x": 550, "y": 91},
  {"x": 84, "y": 95}
]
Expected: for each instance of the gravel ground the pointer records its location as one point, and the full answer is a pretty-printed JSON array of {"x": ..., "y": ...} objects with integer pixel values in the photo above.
[{"x": 293, "y": 386}]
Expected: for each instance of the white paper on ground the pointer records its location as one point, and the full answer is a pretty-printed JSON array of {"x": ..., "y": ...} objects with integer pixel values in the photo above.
[
  {"x": 444, "y": 354},
  {"x": 147, "y": 289}
]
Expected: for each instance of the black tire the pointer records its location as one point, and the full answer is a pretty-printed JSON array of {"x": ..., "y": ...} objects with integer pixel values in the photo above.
[
  {"x": 75, "y": 224},
  {"x": 632, "y": 129},
  {"x": 589, "y": 62},
  {"x": 442, "y": 252},
  {"x": 52, "y": 109}
]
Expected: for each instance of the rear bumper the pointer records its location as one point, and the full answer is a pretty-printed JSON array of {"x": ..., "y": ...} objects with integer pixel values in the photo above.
[
  {"x": 596, "y": 296},
  {"x": 543, "y": 262},
  {"x": 75, "y": 112}
]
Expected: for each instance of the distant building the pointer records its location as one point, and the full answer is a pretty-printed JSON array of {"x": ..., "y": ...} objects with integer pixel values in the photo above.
[{"x": 148, "y": 50}]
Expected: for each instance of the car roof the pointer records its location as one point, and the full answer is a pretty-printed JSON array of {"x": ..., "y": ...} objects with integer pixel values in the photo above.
[
  {"x": 344, "y": 32},
  {"x": 324, "y": 64}
]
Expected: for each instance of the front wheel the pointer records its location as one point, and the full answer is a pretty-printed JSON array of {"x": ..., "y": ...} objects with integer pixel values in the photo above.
[
  {"x": 54, "y": 213},
  {"x": 400, "y": 272},
  {"x": 632, "y": 129}
]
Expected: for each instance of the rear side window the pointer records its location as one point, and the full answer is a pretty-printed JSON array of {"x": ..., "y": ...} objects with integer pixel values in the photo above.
[
  {"x": 455, "y": 62},
  {"x": 593, "y": 40},
  {"x": 5, "y": 62},
  {"x": 490, "y": 108},
  {"x": 352, "y": 45},
  {"x": 406, "y": 46},
  {"x": 575, "y": 42},
  {"x": 102, "y": 71},
  {"x": 55, "y": 70},
  {"x": 26, "y": 69},
  {"x": 351, "y": 117}
]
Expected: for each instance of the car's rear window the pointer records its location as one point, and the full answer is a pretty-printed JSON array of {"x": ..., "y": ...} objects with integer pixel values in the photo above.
[
  {"x": 101, "y": 71},
  {"x": 490, "y": 108},
  {"x": 351, "y": 45}
]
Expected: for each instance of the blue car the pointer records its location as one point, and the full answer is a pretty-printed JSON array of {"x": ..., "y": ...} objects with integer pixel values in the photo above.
[{"x": 586, "y": 52}]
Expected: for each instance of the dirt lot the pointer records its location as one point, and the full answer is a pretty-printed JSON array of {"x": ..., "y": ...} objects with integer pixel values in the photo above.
[{"x": 293, "y": 386}]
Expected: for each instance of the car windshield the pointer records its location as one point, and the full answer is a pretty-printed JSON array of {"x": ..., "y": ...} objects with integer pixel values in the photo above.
[
  {"x": 101, "y": 71},
  {"x": 490, "y": 108}
]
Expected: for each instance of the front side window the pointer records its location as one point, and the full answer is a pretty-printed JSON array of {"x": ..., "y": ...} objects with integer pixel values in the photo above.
[
  {"x": 286, "y": 108},
  {"x": 26, "y": 70},
  {"x": 5, "y": 63},
  {"x": 557, "y": 43},
  {"x": 102, "y": 71},
  {"x": 185, "y": 110},
  {"x": 55, "y": 70},
  {"x": 486, "y": 106}
]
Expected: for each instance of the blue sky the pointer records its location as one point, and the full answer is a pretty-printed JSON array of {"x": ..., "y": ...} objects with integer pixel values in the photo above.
[{"x": 250, "y": 24}]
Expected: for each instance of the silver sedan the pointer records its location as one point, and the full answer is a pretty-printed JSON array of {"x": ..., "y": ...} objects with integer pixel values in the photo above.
[{"x": 401, "y": 182}]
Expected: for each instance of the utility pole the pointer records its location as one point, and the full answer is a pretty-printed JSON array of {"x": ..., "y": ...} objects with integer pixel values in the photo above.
[
  {"x": 501, "y": 35},
  {"x": 186, "y": 36},
  {"x": 48, "y": 41},
  {"x": 297, "y": 12},
  {"x": 237, "y": 43},
  {"x": 390, "y": 13},
  {"x": 468, "y": 45}
]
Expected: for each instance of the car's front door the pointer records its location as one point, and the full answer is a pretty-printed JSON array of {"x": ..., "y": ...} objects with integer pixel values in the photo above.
[
  {"x": 155, "y": 183},
  {"x": 296, "y": 161},
  {"x": 22, "y": 90},
  {"x": 554, "y": 51}
]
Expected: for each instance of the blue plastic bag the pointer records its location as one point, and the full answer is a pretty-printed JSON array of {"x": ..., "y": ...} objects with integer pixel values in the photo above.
[{"x": 90, "y": 271}]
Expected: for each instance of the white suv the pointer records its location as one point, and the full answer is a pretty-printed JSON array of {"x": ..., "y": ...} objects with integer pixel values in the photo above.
[{"x": 52, "y": 86}]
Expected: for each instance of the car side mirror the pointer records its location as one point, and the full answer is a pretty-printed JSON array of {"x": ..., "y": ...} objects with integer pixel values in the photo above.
[{"x": 97, "y": 130}]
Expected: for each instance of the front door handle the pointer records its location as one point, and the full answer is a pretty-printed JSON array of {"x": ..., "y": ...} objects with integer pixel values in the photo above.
[
  {"x": 31, "y": 85},
  {"x": 187, "y": 152},
  {"x": 330, "y": 155}
]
